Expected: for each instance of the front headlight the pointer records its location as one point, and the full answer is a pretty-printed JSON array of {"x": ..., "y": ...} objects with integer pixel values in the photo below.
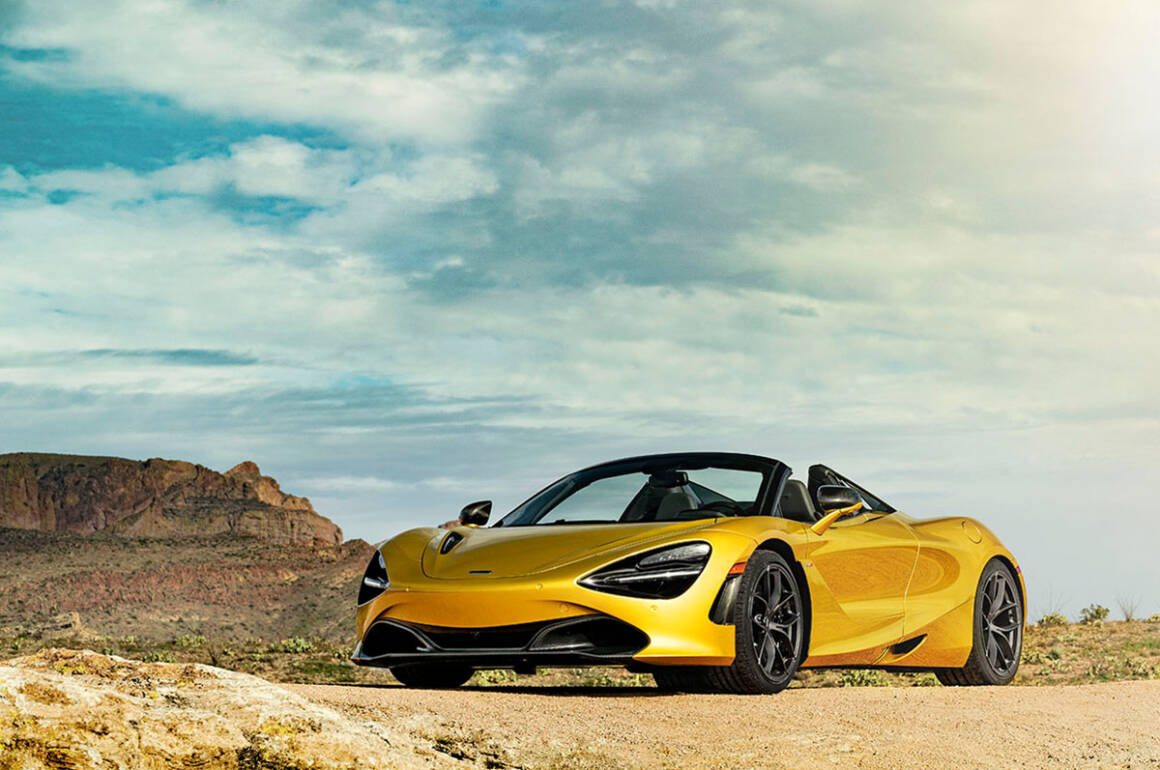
[
  {"x": 375, "y": 579},
  {"x": 661, "y": 574}
]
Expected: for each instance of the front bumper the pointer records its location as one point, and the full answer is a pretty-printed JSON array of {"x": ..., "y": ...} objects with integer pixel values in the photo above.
[
  {"x": 671, "y": 631},
  {"x": 585, "y": 640}
]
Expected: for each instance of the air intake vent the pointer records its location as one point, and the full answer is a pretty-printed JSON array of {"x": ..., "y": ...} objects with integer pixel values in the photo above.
[
  {"x": 907, "y": 647},
  {"x": 450, "y": 541}
]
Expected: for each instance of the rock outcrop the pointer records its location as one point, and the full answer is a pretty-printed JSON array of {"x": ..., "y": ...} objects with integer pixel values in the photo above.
[
  {"x": 154, "y": 498},
  {"x": 81, "y": 710}
]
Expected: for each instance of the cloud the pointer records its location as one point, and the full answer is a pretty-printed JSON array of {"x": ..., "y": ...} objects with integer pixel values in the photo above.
[
  {"x": 406, "y": 255},
  {"x": 177, "y": 357},
  {"x": 11, "y": 181},
  {"x": 358, "y": 70}
]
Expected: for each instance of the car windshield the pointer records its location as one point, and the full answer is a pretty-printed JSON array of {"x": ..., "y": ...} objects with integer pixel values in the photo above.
[{"x": 639, "y": 492}]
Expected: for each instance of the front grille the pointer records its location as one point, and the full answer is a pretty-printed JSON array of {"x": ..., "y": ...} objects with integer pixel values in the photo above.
[
  {"x": 495, "y": 638},
  {"x": 591, "y": 635}
]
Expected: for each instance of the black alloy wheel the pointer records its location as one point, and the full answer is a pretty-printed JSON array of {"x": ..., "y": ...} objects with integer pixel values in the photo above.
[
  {"x": 769, "y": 616},
  {"x": 998, "y": 631}
]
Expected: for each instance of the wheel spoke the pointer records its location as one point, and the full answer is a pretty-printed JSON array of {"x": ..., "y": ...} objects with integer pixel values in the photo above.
[
  {"x": 1004, "y": 608},
  {"x": 991, "y": 649},
  {"x": 995, "y": 590},
  {"x": 777, "y": 659},
  {"x": 1009, "y": 626},
  {"x": 784, "y": 630},
  {"x": 1006, "y": 653},
  {"x": 783, "y": 603},
  {"x": 770, "y": 649}
]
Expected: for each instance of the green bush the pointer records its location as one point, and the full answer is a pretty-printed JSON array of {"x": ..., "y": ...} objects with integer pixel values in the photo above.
[
  {"x": 1052, "y": 619},
  {"x": 493, "y": 677},
  {"x": 157, "y": 656},
  {"x": 1034, "y": 656},
  {"x": 861, "y": 677},
  {"x": 1094, "y": 614},
  {"x": 296, "y": 645}
]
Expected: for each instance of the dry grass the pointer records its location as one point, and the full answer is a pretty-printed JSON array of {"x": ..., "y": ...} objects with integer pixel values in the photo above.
[
  {"x": 285, "y": 614},
  {"x": 1075, "y": 653}
]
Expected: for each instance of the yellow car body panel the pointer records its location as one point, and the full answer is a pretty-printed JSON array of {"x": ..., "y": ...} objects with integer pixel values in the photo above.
[
  {"x": 866, "y": 590},
  {"x": 882, "y": 589}
]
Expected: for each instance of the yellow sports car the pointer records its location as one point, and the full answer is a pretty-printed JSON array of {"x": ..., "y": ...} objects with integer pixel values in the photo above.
[{"x": 709, "y": 570}]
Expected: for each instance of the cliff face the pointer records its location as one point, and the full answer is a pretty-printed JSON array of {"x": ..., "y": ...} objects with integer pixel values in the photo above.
[{"x": 154, "y": 498}]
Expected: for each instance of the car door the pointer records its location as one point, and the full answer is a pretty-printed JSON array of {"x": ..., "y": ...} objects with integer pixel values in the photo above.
[{"x": 862, "y": 566}]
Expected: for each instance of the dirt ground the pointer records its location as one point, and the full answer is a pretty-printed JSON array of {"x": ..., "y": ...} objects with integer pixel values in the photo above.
[{"x": 1116, "y": 724}]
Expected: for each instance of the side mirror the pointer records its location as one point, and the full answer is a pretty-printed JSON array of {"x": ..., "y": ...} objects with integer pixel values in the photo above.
[
  {"x": 475, "y": 514},
  {"x": 835, "y": 501},
  {"x": 831, "y": 497}
]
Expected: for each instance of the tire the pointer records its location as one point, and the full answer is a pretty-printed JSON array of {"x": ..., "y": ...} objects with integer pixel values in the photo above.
[
  {"x": 769, "y": 622},
  {"x": 432, "y": 676},
  {"x": 997, "y": 640}
]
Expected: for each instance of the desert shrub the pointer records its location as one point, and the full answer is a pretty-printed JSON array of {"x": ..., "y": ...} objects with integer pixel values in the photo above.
[
  {"x": 861, "y": 677},
  {"x": 296, "y": 645},
  {"x": 1052, "y": 619},
  {"x": 493, "y": 676},
  {"x": 323, "y": 671},
  {"x": 1154, "y": 618},
  {"x": 185, "y": 641},
  {"x": 1034, "y": 656},
  {"x": 156, "y": 656},
  {"x": 1112, "y": 668},
  {"x": 1139, "y": 668},
  {"x": 925, "y": 679},
  {"x": 1093, "y": 614},
  {"x": 1129, "y": 606}
]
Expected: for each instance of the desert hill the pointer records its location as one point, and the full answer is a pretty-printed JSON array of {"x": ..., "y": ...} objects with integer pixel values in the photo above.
[
  {"x": 153, "y": 498},
  {"x": 224, "y": 587},
  {"x": 154, "y": 550}
]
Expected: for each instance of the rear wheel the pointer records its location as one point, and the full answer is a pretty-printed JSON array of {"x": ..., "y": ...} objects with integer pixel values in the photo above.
[
  {"x": 432, "y": 676},
  {"x": 998, "y": 631},
  {"x": 769, "y": 619}
]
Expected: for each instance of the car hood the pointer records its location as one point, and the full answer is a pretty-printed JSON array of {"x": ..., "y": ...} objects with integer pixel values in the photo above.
[{"x": 505, "y": 552}]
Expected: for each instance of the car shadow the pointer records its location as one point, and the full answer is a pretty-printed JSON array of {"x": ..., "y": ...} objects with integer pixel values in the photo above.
[
  {"x": 549, "y": 690},
  {"x": 575, "y": 692}
]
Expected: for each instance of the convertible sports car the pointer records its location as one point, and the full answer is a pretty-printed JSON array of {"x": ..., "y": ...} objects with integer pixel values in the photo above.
[{"x": 712, "y": 571}]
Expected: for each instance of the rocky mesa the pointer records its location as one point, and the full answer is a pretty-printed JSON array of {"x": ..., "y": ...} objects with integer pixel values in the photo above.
[{"x": 153, "y": 499}]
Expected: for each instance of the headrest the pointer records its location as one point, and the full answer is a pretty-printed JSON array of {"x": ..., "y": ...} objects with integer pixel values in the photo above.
[{"x": 668, "y": 479}]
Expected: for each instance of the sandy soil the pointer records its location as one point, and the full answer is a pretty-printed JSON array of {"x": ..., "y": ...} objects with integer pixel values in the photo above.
[{"x": 1102, "y": 725}]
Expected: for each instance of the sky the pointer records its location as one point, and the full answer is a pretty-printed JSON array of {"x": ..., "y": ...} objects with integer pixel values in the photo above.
[{"x": 405, "y": 255}]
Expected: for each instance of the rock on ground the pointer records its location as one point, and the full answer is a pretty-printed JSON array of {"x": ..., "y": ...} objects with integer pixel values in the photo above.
[{"x": 82, "y": 710}]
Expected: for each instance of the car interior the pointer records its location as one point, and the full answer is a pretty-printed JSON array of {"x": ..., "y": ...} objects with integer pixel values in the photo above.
[
  {"x": 671, "y": 496},
  {"x": 796, "y": 503},
  {"x": 799, "y": 500}
]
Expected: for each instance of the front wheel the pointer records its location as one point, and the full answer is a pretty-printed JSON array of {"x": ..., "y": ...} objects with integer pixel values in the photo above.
[
  {"x": 769, "y": 618},
  {"x": 432, "y": 676},
  {"x": 998, "y": 631}
]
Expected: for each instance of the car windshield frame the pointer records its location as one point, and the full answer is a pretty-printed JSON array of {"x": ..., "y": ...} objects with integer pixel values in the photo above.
[{"x": 538, "y": 506}]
